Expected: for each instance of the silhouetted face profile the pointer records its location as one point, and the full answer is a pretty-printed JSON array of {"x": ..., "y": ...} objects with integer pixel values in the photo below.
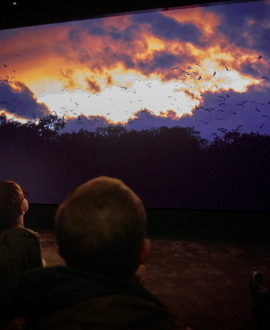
[{"x": 25, "y": 203}]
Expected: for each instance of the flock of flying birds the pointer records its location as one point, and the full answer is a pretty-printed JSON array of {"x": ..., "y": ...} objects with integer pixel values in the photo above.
[
  {"x": 221, "y": 99},
  {"x": 200, "y": 77}
]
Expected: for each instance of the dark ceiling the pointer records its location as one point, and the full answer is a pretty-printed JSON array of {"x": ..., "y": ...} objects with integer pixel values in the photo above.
[{"x": 30, "y": 12}]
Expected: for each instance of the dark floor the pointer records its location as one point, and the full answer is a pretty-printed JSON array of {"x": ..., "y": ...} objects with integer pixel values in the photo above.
[{"x": 205, "y": 282}]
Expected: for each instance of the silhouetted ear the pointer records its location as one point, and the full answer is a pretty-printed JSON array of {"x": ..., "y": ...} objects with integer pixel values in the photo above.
[{"x": 145, "y": 251}]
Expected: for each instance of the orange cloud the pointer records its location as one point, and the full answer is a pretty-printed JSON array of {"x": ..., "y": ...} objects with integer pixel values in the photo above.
[
  {"x": 93, "y": 86},
  {"x": 205, "y": 21}
]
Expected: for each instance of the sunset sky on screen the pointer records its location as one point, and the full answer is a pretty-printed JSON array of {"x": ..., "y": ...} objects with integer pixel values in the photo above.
[{"x": 206, "y": 67}]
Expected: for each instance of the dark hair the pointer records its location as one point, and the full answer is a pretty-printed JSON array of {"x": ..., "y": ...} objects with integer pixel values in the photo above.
[
  {"x": 100, "y": 228},
  {"x": 11, "y": 198}
]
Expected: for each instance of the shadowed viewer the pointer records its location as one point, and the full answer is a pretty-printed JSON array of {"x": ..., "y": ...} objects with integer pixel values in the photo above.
[
  {"x": 101, "y": 234},
  {"x": 20, "y": 248},
  {"x": 261, "y": 298}
]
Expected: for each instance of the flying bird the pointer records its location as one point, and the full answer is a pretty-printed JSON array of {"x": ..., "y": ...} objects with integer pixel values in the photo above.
[
  {"x": 262, "y": 125},
  {"x": 222, "y": 97},
  {"x": 240, "y": 104},
  {"x": 237, "y": 128},
  {"x": 258, "y": 110},
  {"x": 264, "y": 78},
  {"x": 123, "y": 87},
  {"x": 266, "y": 116},
  {"x": 79, "y": 122},
  {"x": 221, "y": 110},
  {"x": 214, "y": 73},
  {"x": 227, "y": 69},
  {"x": 223, "y": 130},
  {"x": 175, "y": 69},
  {"x": 5, "y": 65},
  {"x": 14, "y": 100},
  {"x": 200, "y": 78},
  {"x": 189, "y": 67},
  {"x": 259, "y": 57},
  {"x": 233, "y": 112},
  {"x": 222, "y": 103}
]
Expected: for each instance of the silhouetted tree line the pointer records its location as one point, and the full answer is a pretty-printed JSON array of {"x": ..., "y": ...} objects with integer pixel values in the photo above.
[{"x": 167, "y": 167}]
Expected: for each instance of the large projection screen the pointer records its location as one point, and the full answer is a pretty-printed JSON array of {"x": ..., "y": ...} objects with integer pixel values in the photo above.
[{"x": 175, "y": 103}]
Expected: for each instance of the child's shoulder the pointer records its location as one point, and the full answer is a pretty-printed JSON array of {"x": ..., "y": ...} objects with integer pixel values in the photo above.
[
  {"x": 19, "y": 239},
  {"x": 21, "y": 231}
]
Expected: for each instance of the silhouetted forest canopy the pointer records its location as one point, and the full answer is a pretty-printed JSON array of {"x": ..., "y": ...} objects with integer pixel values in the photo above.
[{"x": 167, "y": 167}]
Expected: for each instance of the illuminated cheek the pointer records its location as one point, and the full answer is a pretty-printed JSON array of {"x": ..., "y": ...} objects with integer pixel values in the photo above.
[{"x": 25, "y": 205}]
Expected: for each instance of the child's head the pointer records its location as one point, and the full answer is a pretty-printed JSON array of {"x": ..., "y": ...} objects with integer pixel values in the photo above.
[
  {"x": 11, "y": 200},
  {"x": 101, "y": 228}
]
